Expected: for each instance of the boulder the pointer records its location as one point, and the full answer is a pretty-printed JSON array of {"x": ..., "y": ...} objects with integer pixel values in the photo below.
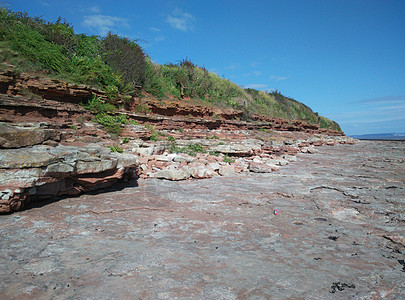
[
  {"x": 262, "y": 167},
  {"x": 201, "y": 172},
  {"x": 226, "y": 170}
]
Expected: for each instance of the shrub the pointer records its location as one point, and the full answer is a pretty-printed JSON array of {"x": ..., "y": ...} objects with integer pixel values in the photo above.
[
  {"x": 142, "y": 109},
  {"x": 154, "y": 137},
  {"x": 122, "y": 119},
  {"x": 98, "y": 105},
  {"x": 112, "y": 123},
  {"x": 126, "y": 57},
  {"x": 109, "y": 123}
]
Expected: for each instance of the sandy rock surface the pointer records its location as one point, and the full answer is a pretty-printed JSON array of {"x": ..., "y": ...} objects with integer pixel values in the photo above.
[{"x": 338, "y": 234}]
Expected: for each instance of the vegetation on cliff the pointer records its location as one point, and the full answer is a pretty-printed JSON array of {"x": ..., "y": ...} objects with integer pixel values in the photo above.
[{"x": 120, "y": 67}]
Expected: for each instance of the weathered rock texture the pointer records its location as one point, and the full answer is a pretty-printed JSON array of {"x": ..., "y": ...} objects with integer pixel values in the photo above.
[
  {"x": 338, "y": 235},
  {"x": 42, "y": 172},
  {"x": 16, "y": 83},
  {"x": 27, "y": 134}
]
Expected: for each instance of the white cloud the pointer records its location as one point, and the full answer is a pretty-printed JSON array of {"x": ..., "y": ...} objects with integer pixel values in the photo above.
[
  {"x": 232, "y": 67},
  {"x": 383, "y": 99},
  {"x": 371, "y": 115},
  {"x": 278, "y": 78},
  {"x": 155, "y": 29},
  {"x": 253, "y": 73},
  {"x": 181, "y": 20},
  {"x": 258, "y": 86},
  {"x": 159, "y": 38},
  {"x": 44, "y": 3},
  {"x": 103, "y": 24},
  {"x": 94, "y": 9}
]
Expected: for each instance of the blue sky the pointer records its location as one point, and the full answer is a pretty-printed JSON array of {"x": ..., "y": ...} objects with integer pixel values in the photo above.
[{"x": 344, "y": 59}]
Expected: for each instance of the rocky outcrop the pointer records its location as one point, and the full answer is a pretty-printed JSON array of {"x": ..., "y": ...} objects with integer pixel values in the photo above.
[
  {"x": 26, "y": 134},
  {"x": 15, "y": 83},
  {"x": 42, "y": 172},
  {"x": 47, "y": 141}
]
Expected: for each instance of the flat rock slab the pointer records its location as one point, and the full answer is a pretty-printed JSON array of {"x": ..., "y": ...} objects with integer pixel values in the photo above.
[{"x": 338, "y": 234}]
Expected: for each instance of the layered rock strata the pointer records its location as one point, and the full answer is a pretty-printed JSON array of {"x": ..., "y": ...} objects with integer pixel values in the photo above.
[{"x": 42, "y": 172}]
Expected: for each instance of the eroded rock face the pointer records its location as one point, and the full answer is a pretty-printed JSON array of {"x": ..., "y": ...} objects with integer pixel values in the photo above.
[
  {"x": 69, "y": 165},
  {"x": 43, "y": 172},
  {"x": 13, "y": 83},
  {"x": 25, "y": 134}
]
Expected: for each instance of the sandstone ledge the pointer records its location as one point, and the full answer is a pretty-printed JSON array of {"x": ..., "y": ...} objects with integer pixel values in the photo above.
[{"x": 42, "y": 172}]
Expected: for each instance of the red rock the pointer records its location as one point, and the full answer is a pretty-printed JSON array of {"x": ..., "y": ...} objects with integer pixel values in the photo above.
[{"x": 90, "y": 181}]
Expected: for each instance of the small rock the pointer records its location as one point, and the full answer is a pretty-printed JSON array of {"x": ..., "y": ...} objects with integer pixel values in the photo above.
[
  {"x": 165, "y": 158},
  {"x": 5, "y": 195},
  {"x": 213, "y": 166},
  {"x": 183, "y": 157},
  {"x": 311, "y": 149},
  {"x": 262, "y": 168},
  {"x": 226, "y": 170},
  {"x": 143, "y": 150},
  {"x": 200, "y": 172},
  {"x": 290, "y": 158},
  {"x": 173, "y": 174}
]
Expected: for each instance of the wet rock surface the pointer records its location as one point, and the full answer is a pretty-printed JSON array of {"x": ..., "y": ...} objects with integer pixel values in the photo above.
[{"x": 338, "y": 234}]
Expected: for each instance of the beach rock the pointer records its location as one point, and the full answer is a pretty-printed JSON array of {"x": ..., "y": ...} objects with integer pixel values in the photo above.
[
  {"x": 201, "y": 172},
  {"x": 25, "y": 134},
  {"x": 226, "y": 170},
  {"x": 214, "y": 166},
  {"x": 262, "y": 167},
  {"x": 183, "y": 158},
  {"x": 243, "y": 148},
  {"x": 42, "y": 172},
  {"x": 311, "y": 149},
  {"x": 277, "y": 162},
  {"x": 175, "y": 175},
  {"x": 290, "y": 158}
]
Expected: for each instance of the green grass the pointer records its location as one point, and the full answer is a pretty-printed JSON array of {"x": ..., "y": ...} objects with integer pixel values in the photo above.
[
  {"x": 112, "y": 124},
  {"x": 229, "y": 160},
  {"x": 98, "y": 105},
  {"x": 116, "y": 149},
  {"x": 192, "y": 149}
]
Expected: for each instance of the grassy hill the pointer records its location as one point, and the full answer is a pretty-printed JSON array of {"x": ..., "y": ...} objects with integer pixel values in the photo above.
[{"x": 120, "y": 67}]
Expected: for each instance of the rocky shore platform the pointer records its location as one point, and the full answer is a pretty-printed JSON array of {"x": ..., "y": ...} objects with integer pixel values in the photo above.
[
  {"x": 327, "y": 226},
  {"x": 52, "y": 148}
]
